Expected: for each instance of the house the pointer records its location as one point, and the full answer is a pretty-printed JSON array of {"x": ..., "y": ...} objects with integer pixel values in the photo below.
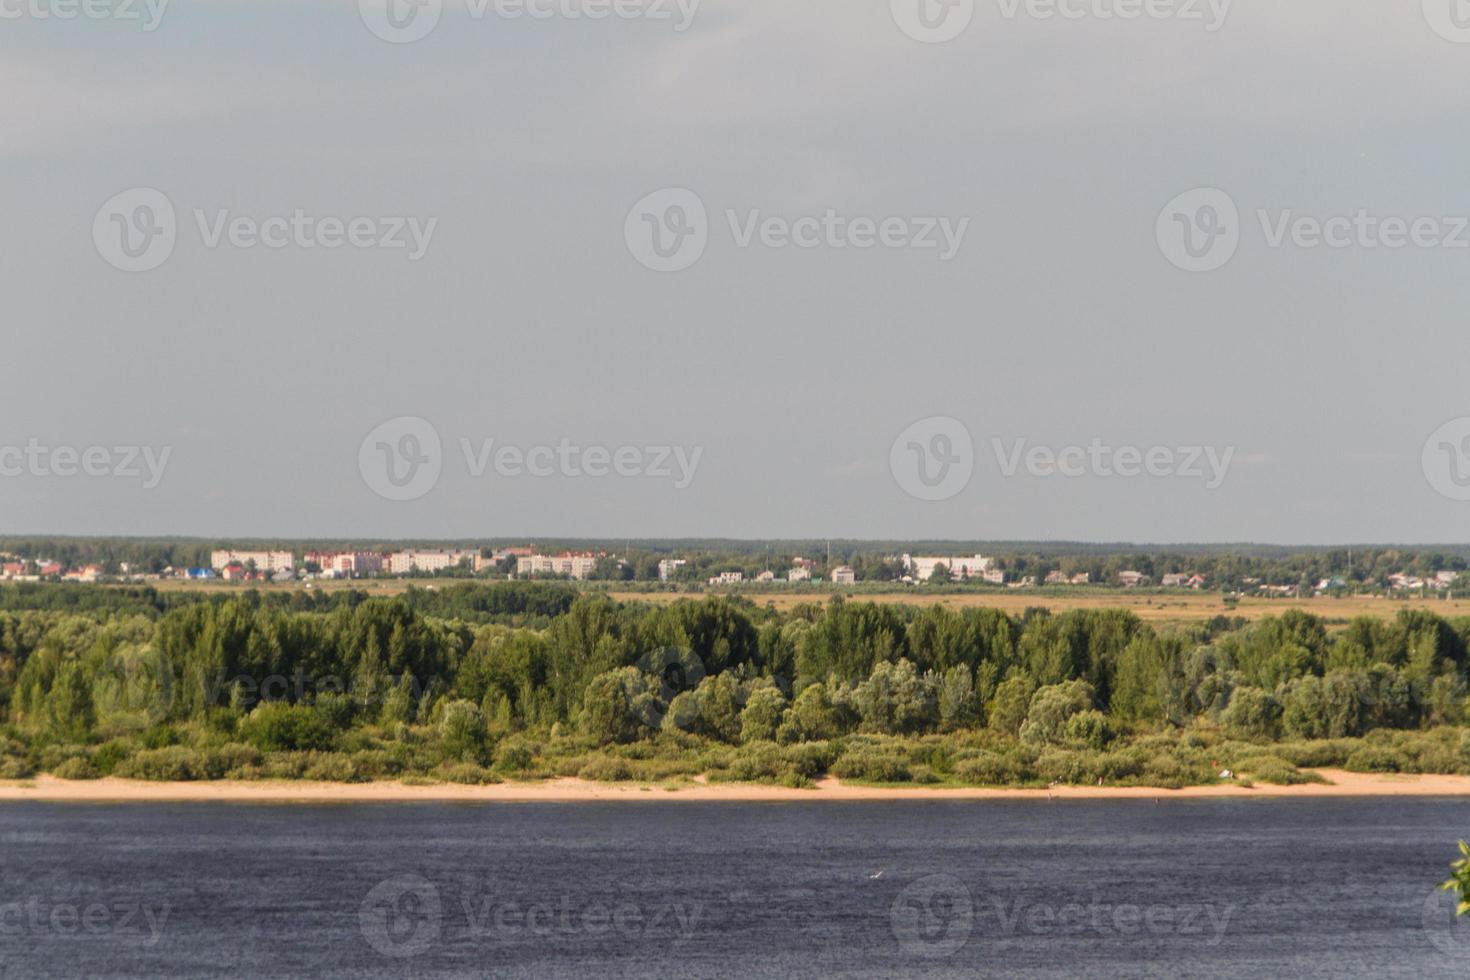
[
  {"x": 12, "y": 569},
  {"x": 577, "y": 566},
  {"x": 1131, "y": 579},
  {"x": 995, "y": 577},
  {"x": 799, "y": 573},
  {"x": 922, "y": 569},
  {"x": 1056, "y": 578},
  {"x": 234, "y": 573},
  {"x": 49, "y": 569},
  {"x": 265, "y": 561},
  {"x": 200, "y": 573},
  {"x": 728, "y": 578},
  {"x": 1174, "y": 580},
  {"x": 843, "y": 575},
  {"x": 1081, "y": 578},
  {"x": 766, "y": 576}
]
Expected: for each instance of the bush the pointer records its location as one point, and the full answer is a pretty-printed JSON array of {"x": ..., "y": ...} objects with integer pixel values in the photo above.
[
  {"x": 77, "y": 768},
  {"x": 606, "y": 769},
  {"x": 1317, "y": 754},
  {"x": 223, "y": 761},
  {"x": 1089, "y": 729},
  {"x": 109, "y": 755},
  {"x": 462, "y": 729},
  {"x": 758, "y": 762},
  {"x": 872, "y": 765},
  {"x": 15, "y": 768},
  {"x": 376, "y": 764},
  {"x": 992, "y": 769},
  {"x": 514, "y": 755},
  {"x": 275, "y": 726},
  {"x": 1371, "y": 758},
  {"x": 810, "y": 759},
  {"x": 1252, "y": 713},
  {"x": 465, "y": 773},
  {"x": 172, "y": 764},
  {"x": 1274, "y": 769},
  {"x": 159, "y": 737}
]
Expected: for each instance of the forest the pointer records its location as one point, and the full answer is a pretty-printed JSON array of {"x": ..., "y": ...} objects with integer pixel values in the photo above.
[{"x": 477, "y": 682}]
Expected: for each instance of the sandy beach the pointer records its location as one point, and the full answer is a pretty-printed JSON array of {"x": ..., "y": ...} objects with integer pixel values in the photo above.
[{"x": 50, "y": 789}]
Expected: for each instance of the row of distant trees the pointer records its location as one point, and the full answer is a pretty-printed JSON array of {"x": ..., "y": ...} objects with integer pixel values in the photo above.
[{"x": 528, "y": 656}]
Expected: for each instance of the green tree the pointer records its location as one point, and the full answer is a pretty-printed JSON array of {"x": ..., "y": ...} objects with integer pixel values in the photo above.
[
  {"x": 761, "y": 716},
  {"x": 1051, "y": 707},
  {"x": 462, "y": 731}
]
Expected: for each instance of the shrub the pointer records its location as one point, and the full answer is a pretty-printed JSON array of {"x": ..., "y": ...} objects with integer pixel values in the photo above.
[
  {"x": 376, "y": 764},
  {"x": 77, "y": 768},
  {"x": 514, "y": 755},
  {"x": 871, "y": 765},
  {"x": 1274, "y": 769},
  {"x": 606, "y": 769},
  {"x": 991, "y": 769},
  {"x": 758, "y": 762},
  {"x": 465, "y": 773},
  {"x": 12, "y": 767},
  {"x": 107, "y": 756},
  {"x": 1252, "y": 713},
  {"x": 1089, "y": 729},
  {"x": 172, "y": 764},
  {"x": 221, "y": 762},
  {"x": 1370, "y": 758},
  {"x": 1317, "y": 754},
  {"x": 159, "y": 737},
  {"x": 275, "y": 726},
  {"x": 810, "y": 759},
  {"x": 462, "y": 729}
]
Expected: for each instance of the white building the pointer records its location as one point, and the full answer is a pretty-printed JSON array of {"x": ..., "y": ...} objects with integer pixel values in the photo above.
[
  {"x": 574, "y": 566},
  {"x": 843, "y": 575},
  {"x": 265, "y": 561},
  {"x": 728, "y": 578},
  {"x": 408, "y": 562},
  {"x": 799, "y": 573},
  {"x": 922, "y": 569},
  {"x": 669, "y": 566}
]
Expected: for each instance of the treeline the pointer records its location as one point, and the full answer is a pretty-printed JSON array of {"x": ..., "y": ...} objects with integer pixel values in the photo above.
[{"x": 493, "y": 661}]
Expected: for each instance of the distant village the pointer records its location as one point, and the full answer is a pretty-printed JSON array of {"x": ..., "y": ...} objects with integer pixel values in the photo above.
[{"x": 526, "y": 563}]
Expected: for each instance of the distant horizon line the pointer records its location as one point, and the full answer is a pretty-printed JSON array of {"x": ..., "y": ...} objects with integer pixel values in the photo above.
[{"x": 666, "y": 541}]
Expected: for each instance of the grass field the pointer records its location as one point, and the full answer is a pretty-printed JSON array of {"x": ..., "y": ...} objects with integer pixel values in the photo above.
[{"x": 1153, "y": 607}]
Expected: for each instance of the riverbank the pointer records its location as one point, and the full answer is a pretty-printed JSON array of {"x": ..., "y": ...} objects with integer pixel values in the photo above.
[{"x": 50, "y": 789}]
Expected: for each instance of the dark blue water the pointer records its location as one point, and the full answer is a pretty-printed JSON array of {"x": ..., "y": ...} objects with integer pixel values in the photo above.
[{"x": 1207, "y": 888}]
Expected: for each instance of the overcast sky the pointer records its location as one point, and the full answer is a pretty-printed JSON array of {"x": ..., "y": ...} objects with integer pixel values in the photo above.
[{"x": 754, "y": 390}]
